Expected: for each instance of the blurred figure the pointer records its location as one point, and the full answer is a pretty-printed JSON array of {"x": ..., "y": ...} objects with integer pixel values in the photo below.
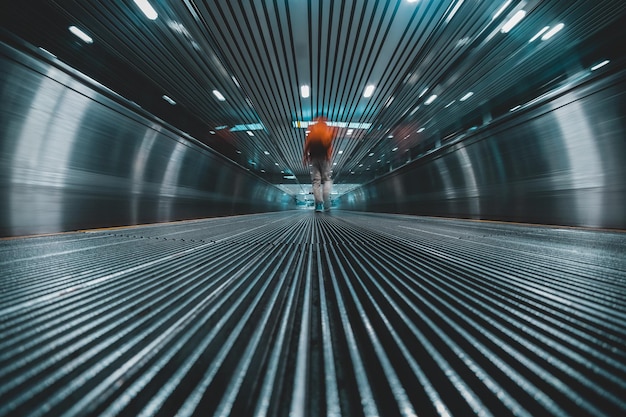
[{"x": 318, "y": 150}]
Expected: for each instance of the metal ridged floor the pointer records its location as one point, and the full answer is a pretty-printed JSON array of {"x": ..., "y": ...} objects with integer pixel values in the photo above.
[{"x": 314, "y": 315}]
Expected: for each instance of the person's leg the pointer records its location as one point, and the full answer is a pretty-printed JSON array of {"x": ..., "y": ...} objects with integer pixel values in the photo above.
[
  {"x": 328, "y": 185},
  {"x": 316, "y": 182}
]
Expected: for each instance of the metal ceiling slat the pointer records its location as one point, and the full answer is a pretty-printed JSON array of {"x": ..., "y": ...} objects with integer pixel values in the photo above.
[{"x": 271, "y": 48}]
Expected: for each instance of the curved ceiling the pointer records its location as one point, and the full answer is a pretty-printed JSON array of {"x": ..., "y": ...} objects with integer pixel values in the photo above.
[{"x": 423, "y": 58}]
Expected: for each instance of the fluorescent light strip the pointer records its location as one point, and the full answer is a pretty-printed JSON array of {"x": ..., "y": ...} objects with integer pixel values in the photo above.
[
  {"x": 251, "y": 126},
  {"x": 552, "y": 32},
  {"x": 219, "y": 95},
  {"x": 466, "y": 96},
  {"x": 82, "y": 35},
  {"x": 147, "y": 9},
  {"x": 453, "y": 12},
  {"x": 302, "y": 124},
  {"x": 305, "y": 91},
  {"x": 541, "y": 32},
  {"x": 600, "y": 65},
  {"x": 499, "y": 12},
  {"x": 430, "y": 99},
  {"x": 169, "y": 100},
  {"x": 512, "y": 22},
  {"x": 369, "y": 90}
]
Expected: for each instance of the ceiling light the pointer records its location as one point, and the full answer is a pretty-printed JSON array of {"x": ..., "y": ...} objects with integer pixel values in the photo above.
[
  {"x": 219, "y": 95},
  {"x": 276, "y": 163},
  {"x": 414, "y": 110},
  {"x": 371, "y": 154},
  {"x": 305, "y": 91},
  {"x": 421, "y": 129},
  {"x": 147, "y": 9},
  {"x": 466, "y": 96},
  {"x": 453, "y": 12},
  {"x": 340, "y": 152},
  {"x": 301, "y": 124},
  {"x": 169, "y": 100},
  {"x": 515, "y": 108},
  {"x": 517, "y": 17},
  {"x": 266, "y": 152},
  {"x": 449, "y": 104},
  {"x": 423, "y": 92},
  {"x": 499, "y": 12},
  {"x": 249, "y": 133},
  {"x": 430, "y": 99},
  {"x": 249, "y": 126},
  {"x": 82, "y": 35},
  {"x": 541, "y": 32},
  {"x": 394, "y": 149},
  {"x": 600, "y": 65},
  {"x": 350, "y": 131},
  {"x": 552, "y": 32},
  {"x": 412, "y": 1},
  {"x": 369, "y": 90}
]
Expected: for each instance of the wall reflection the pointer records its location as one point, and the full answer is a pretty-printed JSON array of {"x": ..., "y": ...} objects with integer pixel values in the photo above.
[{"x": 73, "y": 158}]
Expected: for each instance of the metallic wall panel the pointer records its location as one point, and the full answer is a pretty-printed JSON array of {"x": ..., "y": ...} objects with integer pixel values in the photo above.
[
  {"x": 560, "y": 161},
  {"x": 72, "y": 157}
]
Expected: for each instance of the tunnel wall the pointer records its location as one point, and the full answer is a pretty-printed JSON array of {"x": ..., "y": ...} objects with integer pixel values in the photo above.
[
  {"x": 558, "y": 160},
  {"x": 74, "y": 155}
]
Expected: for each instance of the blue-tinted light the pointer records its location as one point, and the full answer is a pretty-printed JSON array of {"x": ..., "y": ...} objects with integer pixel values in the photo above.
[{"x": 251, "y": 126}]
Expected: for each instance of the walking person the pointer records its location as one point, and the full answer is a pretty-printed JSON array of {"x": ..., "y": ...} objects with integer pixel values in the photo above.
[{"x": 318, "y": 150}]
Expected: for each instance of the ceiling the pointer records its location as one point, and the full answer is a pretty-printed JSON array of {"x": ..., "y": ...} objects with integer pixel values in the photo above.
[{"x": 258, "y": 54}]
